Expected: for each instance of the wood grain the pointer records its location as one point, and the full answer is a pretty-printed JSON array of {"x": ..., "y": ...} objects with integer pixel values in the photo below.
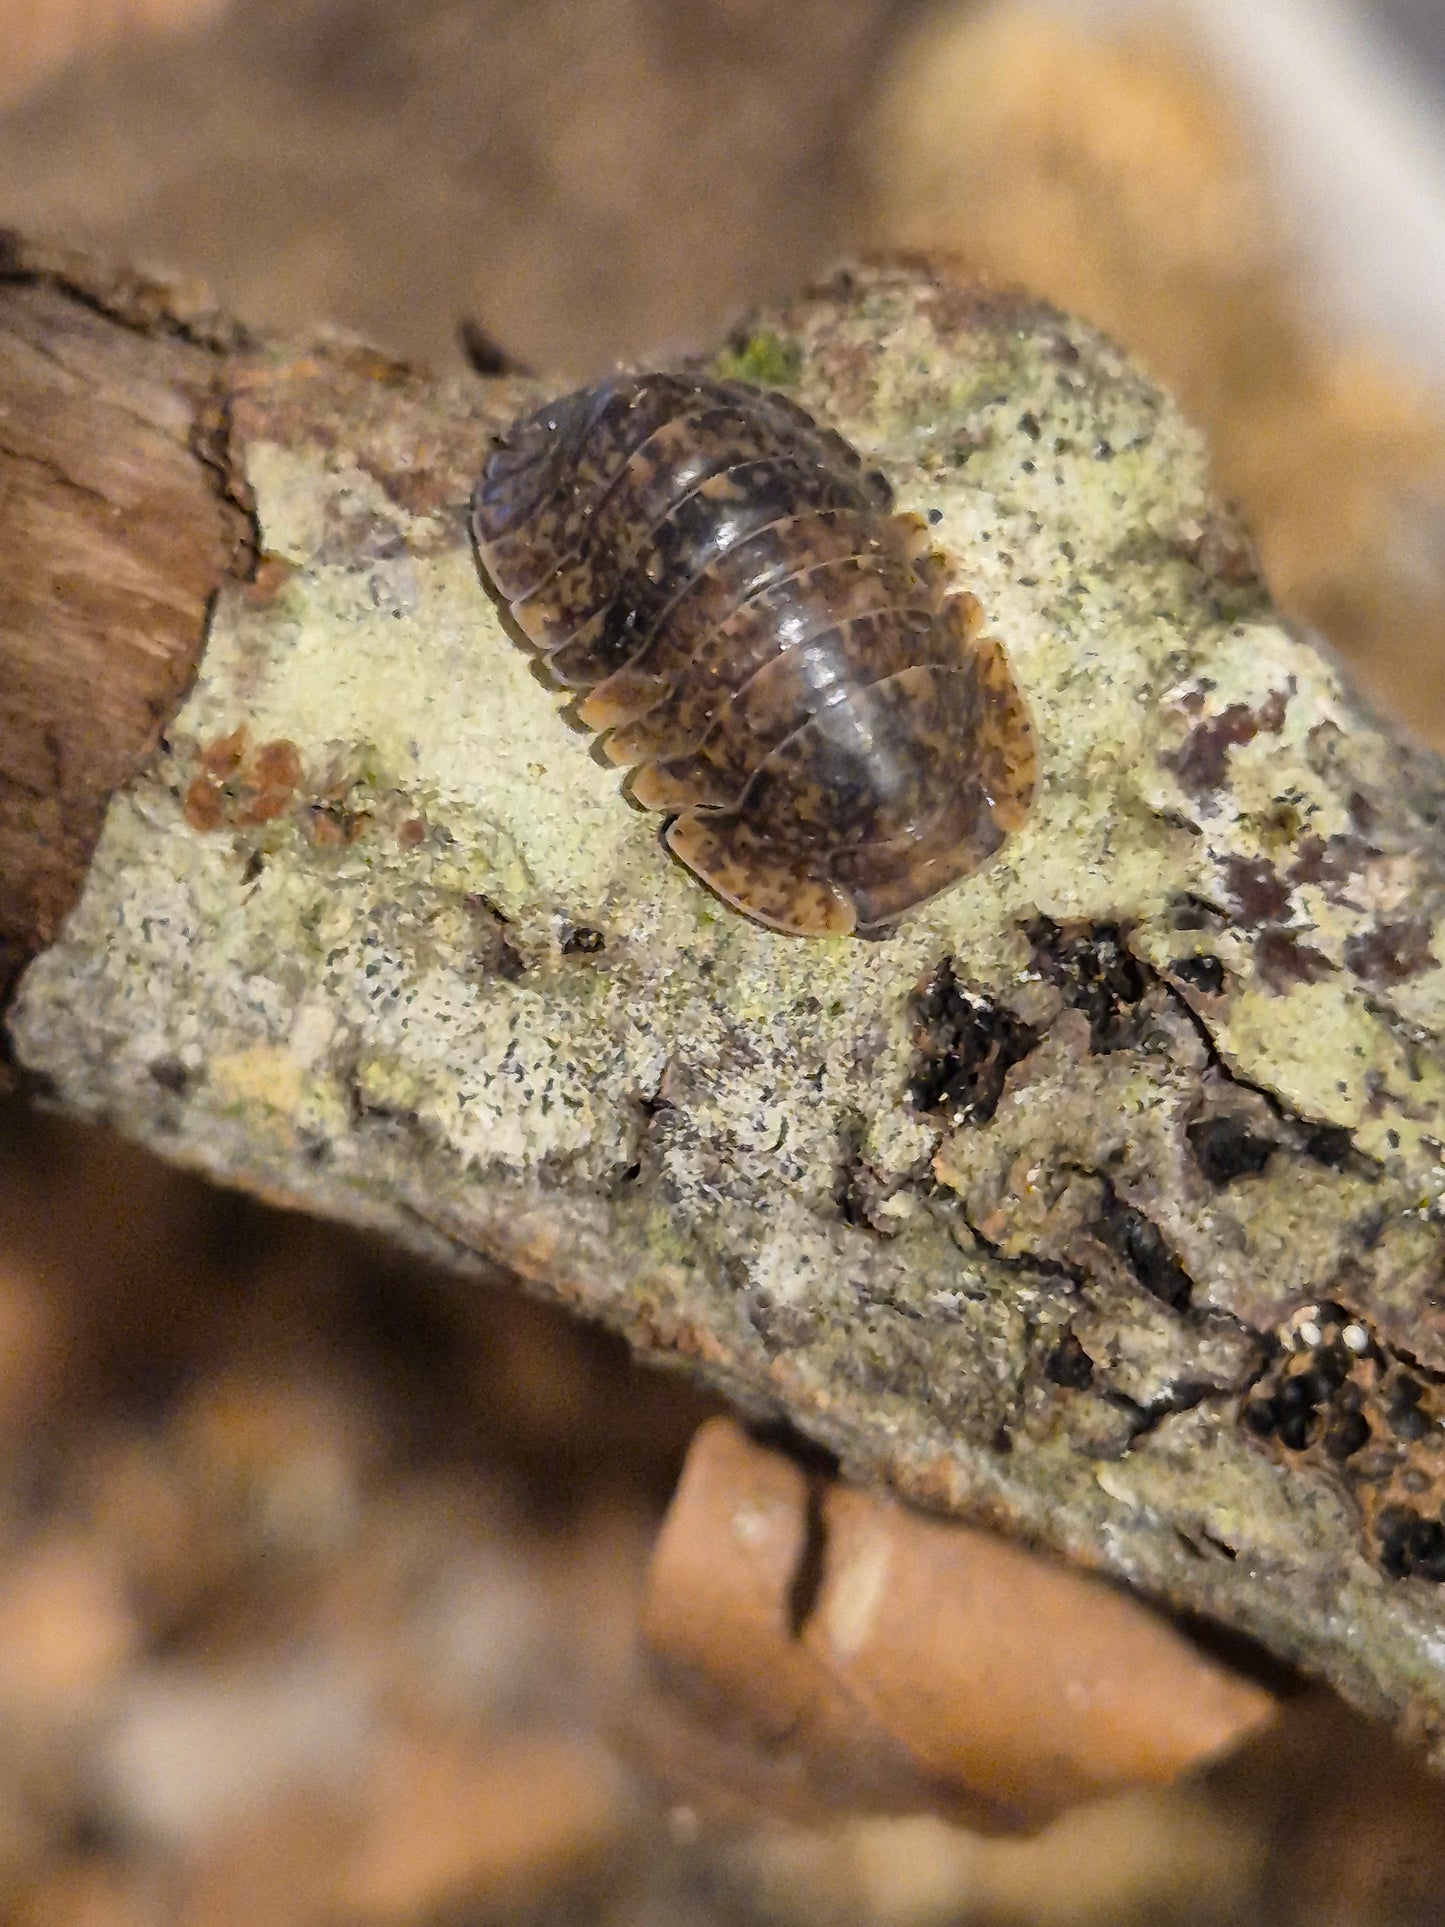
[{"x": 114, "y": 533}]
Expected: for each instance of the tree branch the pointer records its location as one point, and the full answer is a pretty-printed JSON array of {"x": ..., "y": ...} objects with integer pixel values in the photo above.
[{"x": 1101, "y": 1202}]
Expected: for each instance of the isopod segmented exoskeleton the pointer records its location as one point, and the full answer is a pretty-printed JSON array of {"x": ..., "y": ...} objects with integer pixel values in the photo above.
[{"x": 772, "y": 651}]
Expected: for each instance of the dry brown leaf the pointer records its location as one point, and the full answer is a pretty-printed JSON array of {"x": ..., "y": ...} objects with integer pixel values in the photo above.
[{"x": 821, "y": 1645}]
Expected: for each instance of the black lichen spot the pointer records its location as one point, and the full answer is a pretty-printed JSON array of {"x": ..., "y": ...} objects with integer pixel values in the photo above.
[
  {"x": 1092, "y": 967},
  {"x": 1260, "y": 893},
  {"x": 1294, "y": 1418},
  {"x": 1201, "y": 973},
  {"x": 1282, "y": 961},
  {"x": 1298, "y": 1401},
  {"x": 1347, "y": 1433},
  {"x": 1142, "y": 1247},
  {"x": 1328, "y": 1144},
  {"x": 1202, "y": 759},
  {"x": 1337, "y": 1396},
  {"x": 1391, "y": 953},
  {"x": 1334, "y": 863},
  {"x": 1190, "y": 912},
  {"x": 1226, "y": 1149},
  {"x": 582, "y": 941},
  {"x": 1069, "y": 1365},
  {"x": 496, "y": 948},
  {"x": 964, "y": 1047},
  {"x": 1260, "y": 1416},
  {"x": 1402, "y": 1411},
  {"x": 171, "y": 1074},
  {"x": 1411, "y": 1547}
]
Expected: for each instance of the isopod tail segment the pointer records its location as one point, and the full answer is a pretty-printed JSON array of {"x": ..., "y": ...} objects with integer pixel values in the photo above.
[{"x": 945, "y": 819}]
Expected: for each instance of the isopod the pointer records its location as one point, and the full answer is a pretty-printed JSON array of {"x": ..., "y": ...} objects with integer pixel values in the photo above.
[{"x": 771, "y": 650}]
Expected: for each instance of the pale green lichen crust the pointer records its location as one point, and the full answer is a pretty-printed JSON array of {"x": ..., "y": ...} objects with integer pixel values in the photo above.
[{"x": 1021, "y": 1208}]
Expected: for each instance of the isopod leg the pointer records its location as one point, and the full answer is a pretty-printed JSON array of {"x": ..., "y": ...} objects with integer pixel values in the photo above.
[
  {"x": 730, "y": 860},
  {"x": 1008, "y": 747},
  {"x": 621, "y": 700}
]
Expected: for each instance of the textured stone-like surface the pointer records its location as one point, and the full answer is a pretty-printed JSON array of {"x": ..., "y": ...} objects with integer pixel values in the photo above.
[{"x": 1011, "y": 1209}]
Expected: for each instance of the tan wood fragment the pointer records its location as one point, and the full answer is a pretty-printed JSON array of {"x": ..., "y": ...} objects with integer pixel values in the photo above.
[{"x": 835, "y": 1643}]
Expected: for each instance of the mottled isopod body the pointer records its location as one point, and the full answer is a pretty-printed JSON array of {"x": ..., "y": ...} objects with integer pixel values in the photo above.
[{"x": 771, "y": 650}]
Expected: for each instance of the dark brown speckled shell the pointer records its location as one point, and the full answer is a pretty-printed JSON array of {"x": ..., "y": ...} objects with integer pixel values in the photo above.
[{"x": 771, "y": 650}]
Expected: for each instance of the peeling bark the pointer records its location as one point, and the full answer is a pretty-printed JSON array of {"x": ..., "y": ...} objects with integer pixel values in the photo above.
[
  {"x": 116, "y": 533},
  {"x": 1101, "y": 1201}
]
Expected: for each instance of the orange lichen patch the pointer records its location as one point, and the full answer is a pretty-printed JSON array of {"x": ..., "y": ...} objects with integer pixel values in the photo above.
[
  {"x": 274, "y": 775},
  {"x": 333, "y": 817},
  {"x": 271, "y": 575},
  {"x": 222, "y": 758},
  {"x": 331, "y": 826},
  {"x": 205, "y": 805},
  {"x": 266, "y": 805},
  {"x": 845, "y": 1647},
  {"x": 242, "y": 787}
]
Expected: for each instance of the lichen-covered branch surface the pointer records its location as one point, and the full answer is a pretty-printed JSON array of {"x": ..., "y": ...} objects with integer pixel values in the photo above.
[{"x": 1101, "y": 1200}]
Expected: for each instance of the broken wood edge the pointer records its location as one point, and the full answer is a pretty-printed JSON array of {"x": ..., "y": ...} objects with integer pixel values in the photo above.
[{"x": 122, "y": 516}]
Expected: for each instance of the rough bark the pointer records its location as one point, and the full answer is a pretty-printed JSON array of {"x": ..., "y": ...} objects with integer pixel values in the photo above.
[
  {"x": 1101, "y": 1201},
  {"x": 115, "y": 537}
]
